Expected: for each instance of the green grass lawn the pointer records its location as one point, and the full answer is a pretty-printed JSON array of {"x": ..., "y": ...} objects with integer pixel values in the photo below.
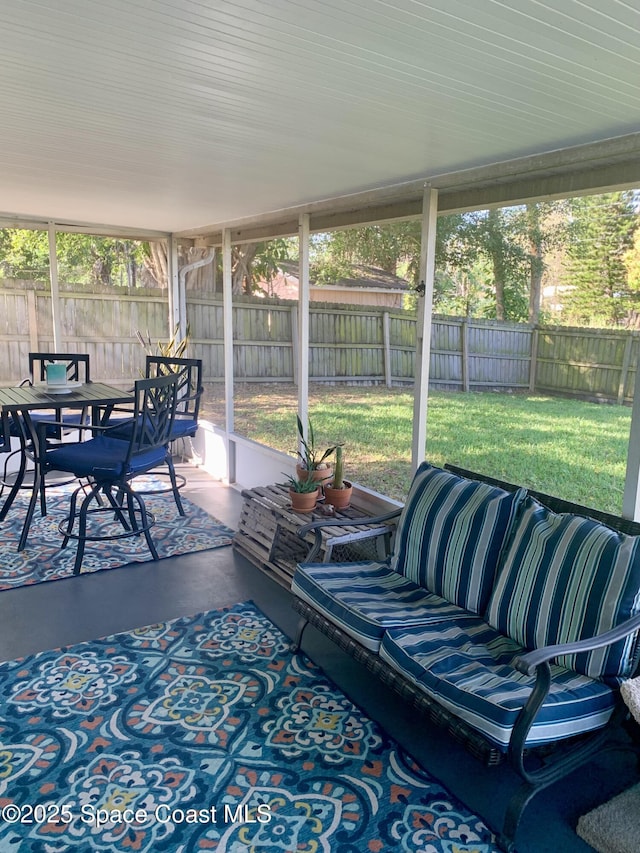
[{"x": 569, "y": 448}]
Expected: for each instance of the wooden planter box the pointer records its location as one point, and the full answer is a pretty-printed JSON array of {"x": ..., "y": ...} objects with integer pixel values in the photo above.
[{"x": 267, "y": 534}]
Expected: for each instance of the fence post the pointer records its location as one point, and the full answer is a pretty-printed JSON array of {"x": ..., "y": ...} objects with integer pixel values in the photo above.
[
  {"x": 533, "y": 361},
  {"x": 464, "y": 344},
  {"x": 386, "y": 339},
  {"x": 624, "y": 371}
]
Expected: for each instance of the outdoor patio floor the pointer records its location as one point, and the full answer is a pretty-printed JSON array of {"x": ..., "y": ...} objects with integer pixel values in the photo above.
[{"x": 53, "y": 614}]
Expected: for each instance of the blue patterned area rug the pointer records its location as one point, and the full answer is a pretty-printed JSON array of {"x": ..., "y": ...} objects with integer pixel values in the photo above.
[
  {"x": 44, "y": 560},
  {"x": 206, "y": 734}
]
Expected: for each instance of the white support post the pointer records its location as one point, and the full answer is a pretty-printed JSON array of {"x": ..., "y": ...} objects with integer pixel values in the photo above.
[
  {"x": 55, "y": 290},
  {"x": 302, "y": 355},
  {"x": 182, "y": 312},
  {"x": 423, "y": 325},
  {"x": 173, "y": 285},
  {"x": 631, "y": 496},
  {"x": 227, "y": 324}
]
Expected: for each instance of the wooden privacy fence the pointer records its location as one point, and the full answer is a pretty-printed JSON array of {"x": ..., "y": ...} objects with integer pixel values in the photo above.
[
  {"x": 104, "y": 324},
  {"x": 365, "y": 344}
]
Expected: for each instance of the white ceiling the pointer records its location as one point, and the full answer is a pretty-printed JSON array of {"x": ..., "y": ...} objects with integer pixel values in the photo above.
[{"x": 178, "y": 114}]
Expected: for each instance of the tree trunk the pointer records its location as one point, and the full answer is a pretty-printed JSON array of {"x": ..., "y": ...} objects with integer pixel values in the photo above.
[
  {"x": 156, "y": 266},
  {"x": 535, "y": 285},
  {"x": 536, "y": 260},
  {"x": 498, "y": 283},
  {"x": 243, "y": 256}
]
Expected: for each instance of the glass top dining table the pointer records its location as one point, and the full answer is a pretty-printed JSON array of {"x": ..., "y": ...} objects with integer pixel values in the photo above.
[{"x": 16, "y": 405}]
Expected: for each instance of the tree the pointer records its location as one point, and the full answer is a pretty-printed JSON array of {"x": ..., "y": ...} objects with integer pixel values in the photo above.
[
  {"x": 251, "y": 262},
  {"x": 82, "y": 258},
  {"x": 394, "y": 247},
  {"x": 24, "y": 253},
  {"x": 545, "y": 229},
  {"x": 602, "y": 232},
  {"x": 470, "y": 248},
  {"x": 495, "y": 238},
  {"x": 631, "y": 261}
]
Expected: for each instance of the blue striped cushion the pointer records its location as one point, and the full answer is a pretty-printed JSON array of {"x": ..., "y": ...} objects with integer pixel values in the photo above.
[
  {"x": 567, "y": 578},
  {"x": 466, "y": 667},
  {"x": 451, "y": 533},
  {"x": 366, "y": 598}
]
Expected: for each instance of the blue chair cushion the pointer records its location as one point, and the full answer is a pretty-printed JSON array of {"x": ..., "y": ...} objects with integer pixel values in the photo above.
[
  {"x": 451, "y": 534},
  {"x": 364, "y": 599},
  {"x": 466, "y": 666},
  {"x": 102, "y": 458},
  {"x": 181, "y": 428},
  {"x": 70, "y": 419},
  {"x": 567, "y": 578}
]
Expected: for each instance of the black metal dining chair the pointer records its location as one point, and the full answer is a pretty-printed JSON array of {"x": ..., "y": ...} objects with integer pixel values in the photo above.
[
  {"x": 185, "y": 425},
  {"x": 76, "y": 367},
  {"x": 5, "y": 434},
  {"x": 59, "y": 423},
  {"x": 110, "y": 464}
]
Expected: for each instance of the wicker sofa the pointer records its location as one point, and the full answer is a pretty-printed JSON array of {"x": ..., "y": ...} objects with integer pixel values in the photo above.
[{"x": 508, "y": 616}]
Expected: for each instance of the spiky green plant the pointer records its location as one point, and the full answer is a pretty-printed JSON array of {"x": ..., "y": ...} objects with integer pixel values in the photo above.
[
  {"x": 173, "y": 348},
  {"x": 309, "y": 454},
  {"x": 302, "y": 486}
]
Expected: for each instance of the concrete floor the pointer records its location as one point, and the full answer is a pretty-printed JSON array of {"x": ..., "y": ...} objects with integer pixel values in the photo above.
[{"x": 59, "y": 613}]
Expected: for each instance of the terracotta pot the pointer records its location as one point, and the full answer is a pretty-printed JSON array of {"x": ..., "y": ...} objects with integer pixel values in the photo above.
[
  {"x": 319, "y": 474},
  {"x": 303, "y": 501},
  {"x": 338, "y": 498}
]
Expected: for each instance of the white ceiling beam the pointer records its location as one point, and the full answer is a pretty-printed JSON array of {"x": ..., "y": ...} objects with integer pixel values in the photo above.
[
  {"x": 34, "y": 224},
  {"x": 581, "y": 170}
]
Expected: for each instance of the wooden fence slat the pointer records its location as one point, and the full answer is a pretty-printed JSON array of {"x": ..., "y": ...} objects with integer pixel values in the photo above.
[{"x": 349, "y": 343}]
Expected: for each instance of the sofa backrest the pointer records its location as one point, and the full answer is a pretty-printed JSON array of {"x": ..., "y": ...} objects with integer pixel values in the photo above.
[
  {"x": 565, "y": 577},
  {"x": 451, "y": 534}
]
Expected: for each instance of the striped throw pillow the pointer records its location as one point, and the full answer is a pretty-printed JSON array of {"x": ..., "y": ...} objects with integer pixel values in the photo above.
[
  {"x": 451, "y": 533},
  {"x": 566, "y": 578}
]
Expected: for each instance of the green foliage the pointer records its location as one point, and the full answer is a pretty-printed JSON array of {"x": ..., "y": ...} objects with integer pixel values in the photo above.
[
  {"x": 253, "y": 262},
  {"x": 463, "y": 292},
  {"x": 175, "y": 347},
  {"x": 24, "y": 253},
  {"x": 393, "y": 247},
  {"x": 310, "y": 456},
  {"x": 269, "y": 255},
  {"x": 486, "y": 261},
  {"x": 304, "y": 487},
  {"x": 495, "y": 237},
  {"x": 631, "y": 261},
  {"x": 82, "y": 258},
  {"x": 599, "y": 289}
]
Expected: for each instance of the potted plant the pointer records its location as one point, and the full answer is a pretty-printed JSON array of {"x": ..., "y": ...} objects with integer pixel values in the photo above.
[
  {"x": 313, "y": 463},
  {"x": 338, "y": 491},
  {"x": 303, "y": 493}
]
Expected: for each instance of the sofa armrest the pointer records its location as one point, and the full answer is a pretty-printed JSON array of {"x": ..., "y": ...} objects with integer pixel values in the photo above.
[
  {"x": 529, "y": 661},
  {"x": 536, "y": 663},
  {"x": 318, "y": 526}
]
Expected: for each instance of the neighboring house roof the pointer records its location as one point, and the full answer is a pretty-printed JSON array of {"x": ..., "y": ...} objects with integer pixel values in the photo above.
[
  {"x": 374, "y": 277},
  {"x": 285, "y": 283}
]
